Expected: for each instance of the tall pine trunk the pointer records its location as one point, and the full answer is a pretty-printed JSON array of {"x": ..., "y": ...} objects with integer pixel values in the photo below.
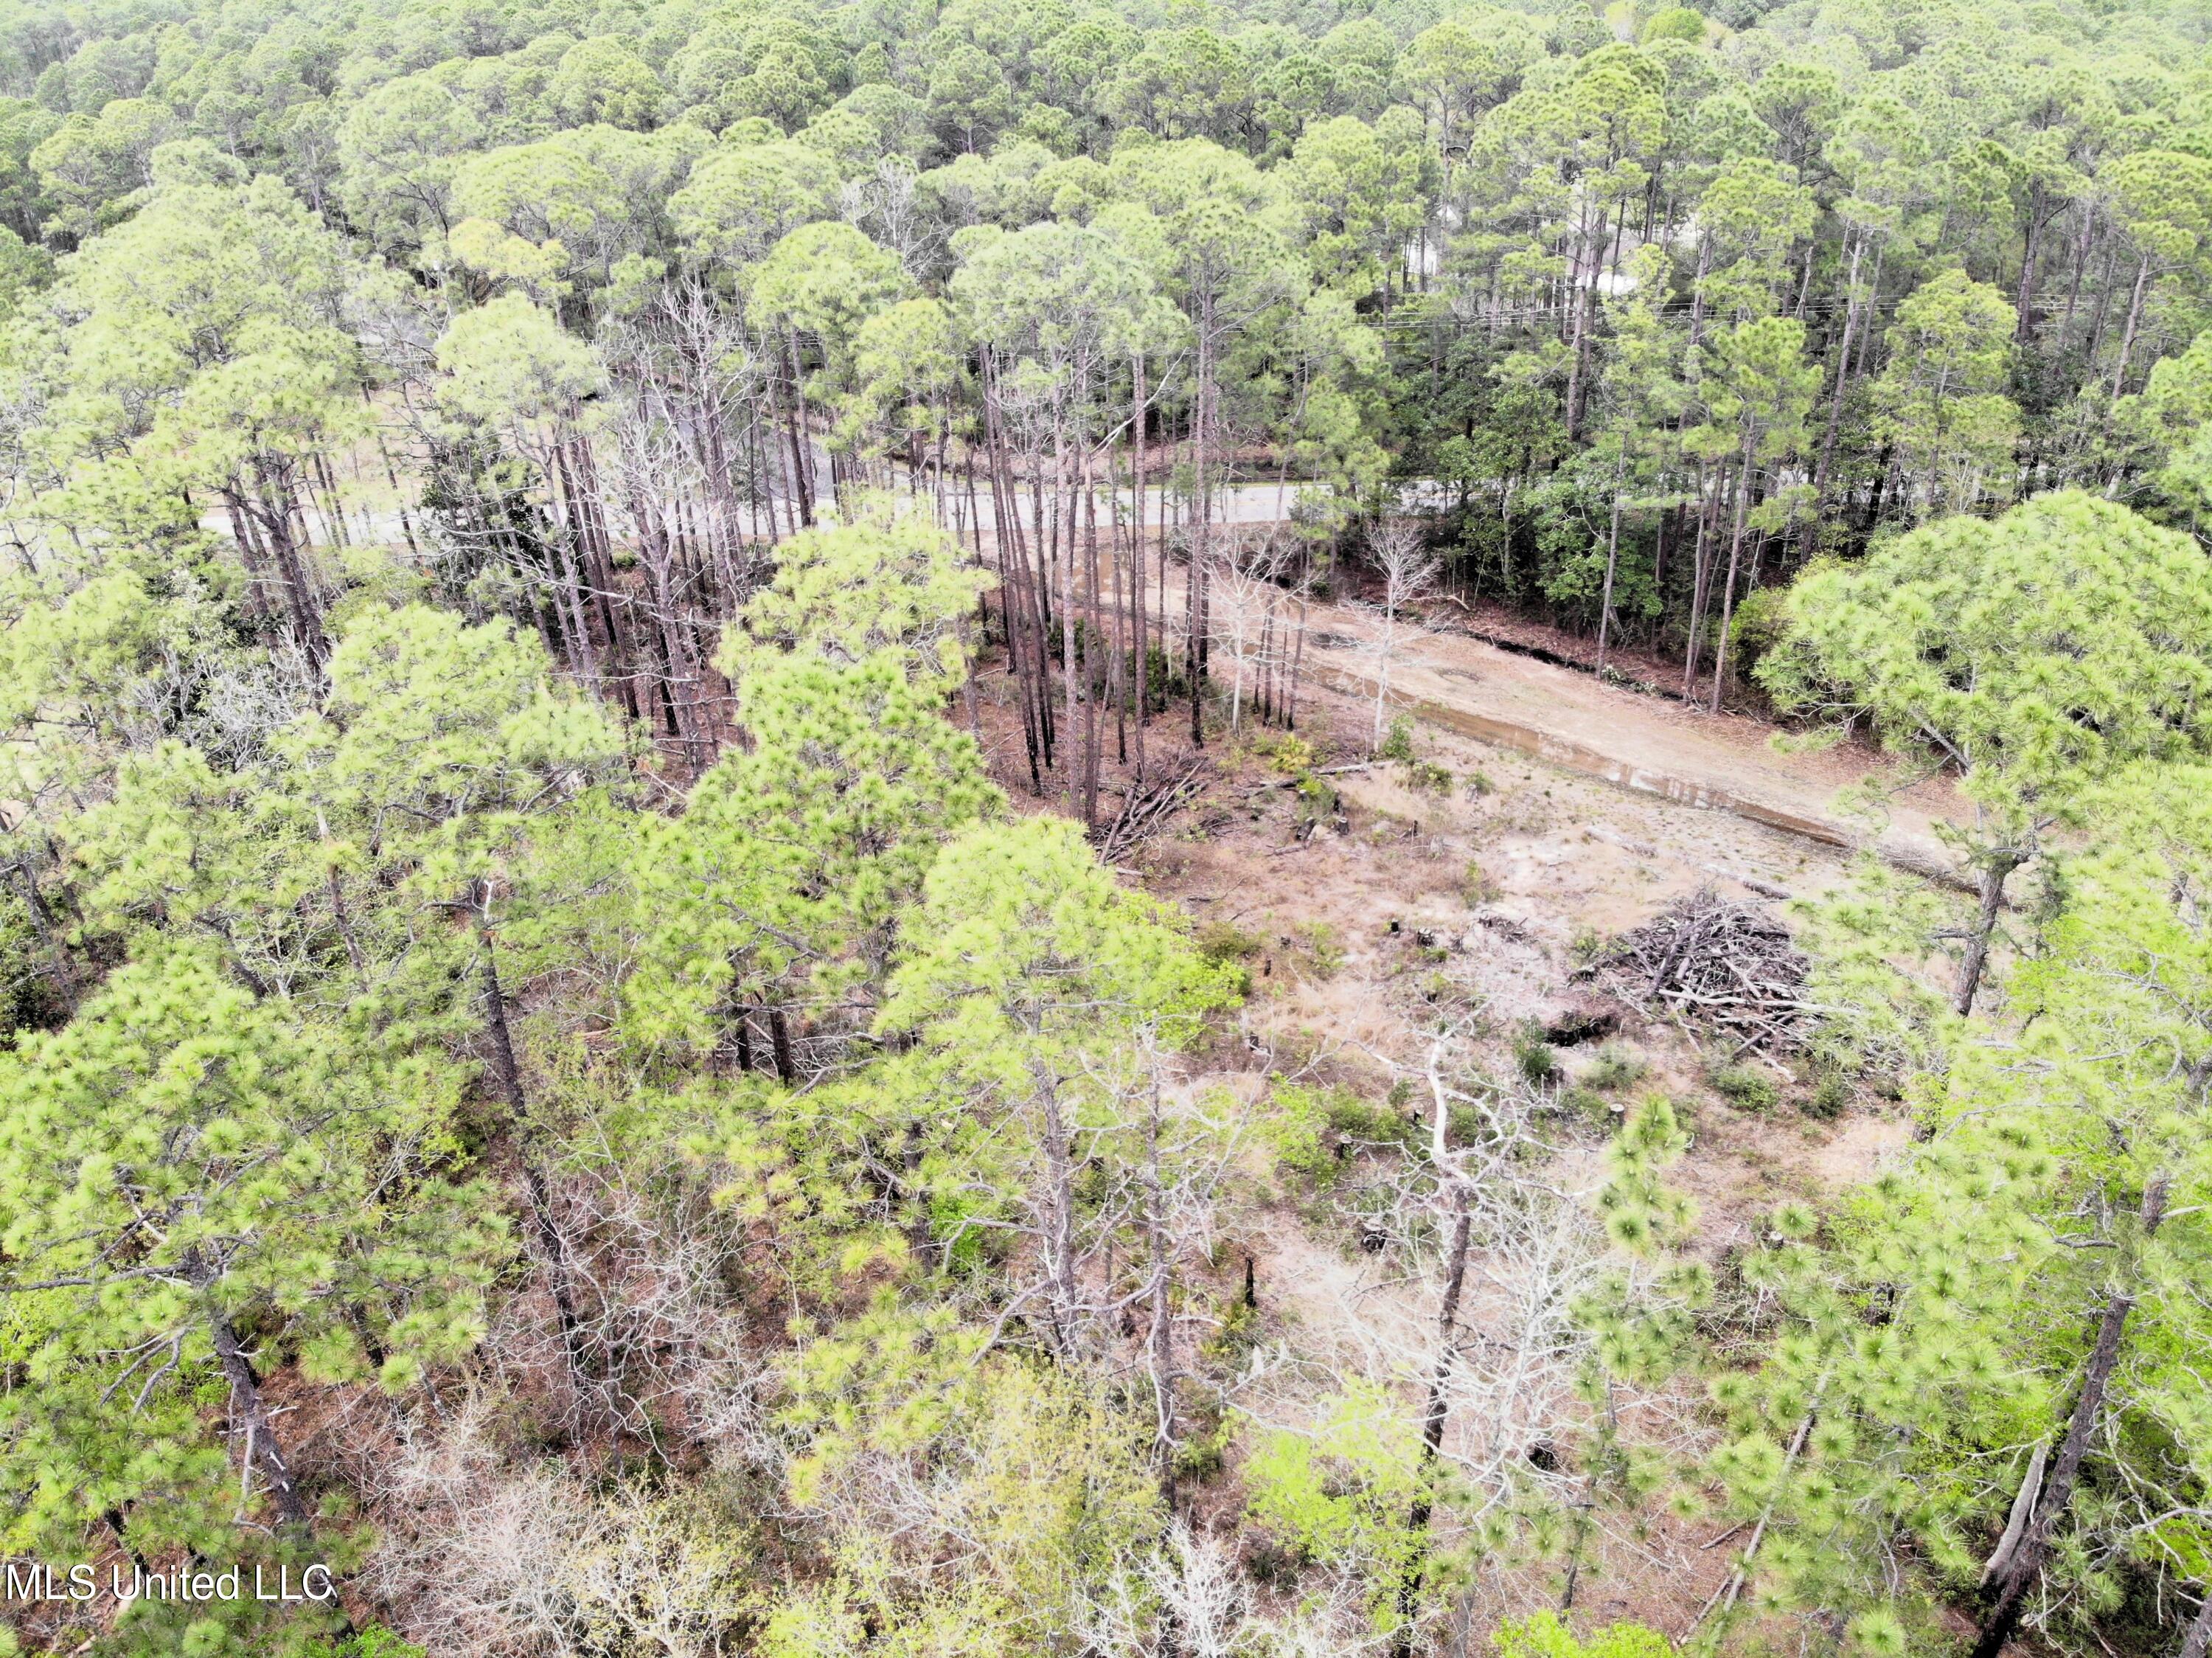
[
  {"x": 1728, "y": 584},
  {"x": 1143, "y": 669},
  {"x": 2010, "y": 1590},
  {"x": 1612, "y": 562},
  {"x": 1825, "y": 465},
  {"x": 1975, "y": 960},
  {"x": 2134, "y": 320},
  {"x": 249, "y": 1408}
]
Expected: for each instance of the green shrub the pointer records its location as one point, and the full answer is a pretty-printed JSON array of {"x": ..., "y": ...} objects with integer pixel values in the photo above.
[
  {"x": 1545, "y": 1636},
  {"x": 1479, "y": 888},
  {"x": 374, "y": 1642},
  {"x": 1616, "y": 1066},
  {"x": 1310, "y": 1127},
  {"x": 1745, "y": 1088},
  {"x": 1318, "y": 798},
  {"x": 1224, "y": 941},
  {"x": 1286, "y": 753},
  {"x": 1320, "y": 951},
  {"x": 1830, "y": 1094},
  {"x": 1761, "y": 620},
  {"x": 1204, "y": 1452},
  {"x": 1356, "y": 1119},
  {"x": 1162, "y": 683},
  {"x": 1236, "y": 1331},
  {"x": 1537, "y": 1060},
  {"x": 1590, "y": 1105},
  {"x": 1398, "y": 745}
]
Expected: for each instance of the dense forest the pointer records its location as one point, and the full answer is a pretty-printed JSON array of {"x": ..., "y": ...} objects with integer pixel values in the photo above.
[{"x": 613, "y": 618}]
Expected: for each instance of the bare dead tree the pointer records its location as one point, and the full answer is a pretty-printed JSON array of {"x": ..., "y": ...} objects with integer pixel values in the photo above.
[
  {"x": 657, "y": 473},
  {"x": 711, "y": 375},
  {"x": 482, "y": 1548},
  {"x": 1476, "y": 1253},
  {"x": 1189, "y": 1597},
  {"x": 1247, "y": 588},
  {"x": 885, "y": 203},
  {"x": 1398, "y": 550}
]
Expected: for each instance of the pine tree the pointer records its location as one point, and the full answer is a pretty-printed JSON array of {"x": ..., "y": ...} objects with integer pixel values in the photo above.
[
  {"x": 198, "y": 1188},
  {"x": 2031, "y": 657}
]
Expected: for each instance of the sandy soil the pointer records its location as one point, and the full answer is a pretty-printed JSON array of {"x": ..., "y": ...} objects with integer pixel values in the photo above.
[
  {"x": 1643, "y": 743},
  {"x": 1478, "y": 894},
  {"x": 1549, "y": 854}
]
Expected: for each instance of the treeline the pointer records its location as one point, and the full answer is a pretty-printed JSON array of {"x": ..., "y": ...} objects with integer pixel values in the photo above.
[{"x": 1658, "y": 305}]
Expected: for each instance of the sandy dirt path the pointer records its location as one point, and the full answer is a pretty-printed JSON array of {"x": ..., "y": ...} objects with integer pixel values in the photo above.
[{"x": 1645, "y": 743}]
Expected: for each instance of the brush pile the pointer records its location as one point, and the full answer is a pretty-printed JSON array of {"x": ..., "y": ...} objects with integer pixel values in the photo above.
[
  {"x": 1146, "y": 811},
  {"x": 1717, "y": 967}
]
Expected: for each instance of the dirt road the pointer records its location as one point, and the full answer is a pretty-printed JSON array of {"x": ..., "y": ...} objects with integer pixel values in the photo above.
[{"x": 1645, "y": 743}]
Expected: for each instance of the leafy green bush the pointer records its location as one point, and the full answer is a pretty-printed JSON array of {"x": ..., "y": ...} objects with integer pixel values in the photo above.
[
  {"x": 1338, "y": 1492},
  {"x": 1318, "y": 798},
  {"x": 1545, "y": 1636},
  {"x": 1224, "y": 941},
  {"x": 1761, "y": 621},
  {"x": 1398, "y": 745},
  {"x": 1284, "y": 752},
  {"x": 1312, "y": 1128},
  {"x": 1162, "y": 682},
  {"x": 1319, "y": 950},
  {"x": 1537, "y": 1060},
  {"x": 1590, "y": 1105}
]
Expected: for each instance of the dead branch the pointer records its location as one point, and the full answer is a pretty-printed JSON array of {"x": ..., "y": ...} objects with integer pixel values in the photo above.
[
  {"x": 1145, "y": 812},
  {"x": 1727, "y": 968}
]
